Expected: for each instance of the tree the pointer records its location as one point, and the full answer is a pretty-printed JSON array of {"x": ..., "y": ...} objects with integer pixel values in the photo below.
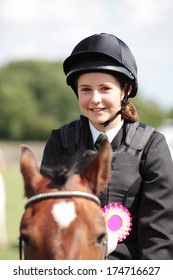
[{"x": 34, "y": 99}]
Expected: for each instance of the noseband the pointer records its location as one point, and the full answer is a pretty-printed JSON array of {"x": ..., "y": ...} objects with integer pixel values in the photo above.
[{"x": 62, "y": 194}]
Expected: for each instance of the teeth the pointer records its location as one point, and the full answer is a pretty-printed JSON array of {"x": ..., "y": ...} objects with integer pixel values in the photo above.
[{"x": 96, "y": 109}]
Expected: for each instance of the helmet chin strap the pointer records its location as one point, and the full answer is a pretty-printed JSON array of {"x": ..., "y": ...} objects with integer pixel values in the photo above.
[
  {"x": 106, "y": 123},
  {"x": 123, "y": 105}
]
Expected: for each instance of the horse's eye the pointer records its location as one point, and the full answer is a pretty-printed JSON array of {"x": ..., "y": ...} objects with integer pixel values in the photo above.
[
  {"x": 24, "y": 238},
  {"x": 101, "y": 238}
]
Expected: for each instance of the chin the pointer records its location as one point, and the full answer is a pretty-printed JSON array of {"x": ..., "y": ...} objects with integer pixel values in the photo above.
[{"x": 98, "y": 122}]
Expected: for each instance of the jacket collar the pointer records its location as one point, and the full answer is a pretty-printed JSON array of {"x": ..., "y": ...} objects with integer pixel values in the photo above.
[{"x": 88, "y": 140}]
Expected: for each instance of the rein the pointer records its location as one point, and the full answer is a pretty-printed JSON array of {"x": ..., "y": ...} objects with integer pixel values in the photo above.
[{"x": 60, "y": 194}]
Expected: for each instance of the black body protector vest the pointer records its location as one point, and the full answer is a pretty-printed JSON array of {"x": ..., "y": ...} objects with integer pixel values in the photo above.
[{"x": 126, "y": 179}]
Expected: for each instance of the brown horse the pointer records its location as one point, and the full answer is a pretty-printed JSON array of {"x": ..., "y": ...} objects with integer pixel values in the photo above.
[{"x": 67, "y": 223}]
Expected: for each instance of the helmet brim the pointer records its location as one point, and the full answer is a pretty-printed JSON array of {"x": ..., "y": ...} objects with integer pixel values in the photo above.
[
  {"x": 76, "y": 65},
  {"x": 118, "y": 71}
]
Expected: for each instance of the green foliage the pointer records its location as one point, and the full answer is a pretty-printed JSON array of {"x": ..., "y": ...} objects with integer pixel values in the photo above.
[
  {"x": 149, "y": 112},
  {"x": 34, "y": 99}
]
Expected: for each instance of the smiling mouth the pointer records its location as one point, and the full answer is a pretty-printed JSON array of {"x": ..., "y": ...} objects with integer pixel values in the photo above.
[{"x": 97, "y": 109}]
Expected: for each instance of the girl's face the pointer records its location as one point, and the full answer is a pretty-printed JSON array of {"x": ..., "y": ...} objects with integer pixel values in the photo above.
[{"x": 100, "y": 97}]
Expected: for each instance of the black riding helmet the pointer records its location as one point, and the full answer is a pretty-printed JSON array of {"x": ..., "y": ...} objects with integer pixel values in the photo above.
[{"x": 102, "y": 53}]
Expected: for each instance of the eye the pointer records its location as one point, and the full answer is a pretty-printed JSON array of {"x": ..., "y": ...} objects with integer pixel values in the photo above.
[
  {"x": 101, "y": 238},
  {"x": 25, "y": 238},
  {"x": 105, "y": 88},
  {"x": 85, "y": 90}
]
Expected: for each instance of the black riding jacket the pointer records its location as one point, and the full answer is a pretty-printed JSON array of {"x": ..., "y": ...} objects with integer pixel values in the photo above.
[{"x": 144, "y": 186}]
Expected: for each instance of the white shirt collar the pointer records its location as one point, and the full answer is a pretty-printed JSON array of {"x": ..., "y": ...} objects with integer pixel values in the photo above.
[{"x": 110, "y": 133}]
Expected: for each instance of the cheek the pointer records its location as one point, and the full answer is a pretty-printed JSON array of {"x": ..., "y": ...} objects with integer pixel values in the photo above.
[
  {"x": 119, "y": 97},
  {"x": 83, "y": 101},
  {"x": 113, "y": 100}
]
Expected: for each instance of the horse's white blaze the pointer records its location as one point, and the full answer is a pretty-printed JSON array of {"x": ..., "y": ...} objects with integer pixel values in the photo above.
[{"x": 64, "y": 213}]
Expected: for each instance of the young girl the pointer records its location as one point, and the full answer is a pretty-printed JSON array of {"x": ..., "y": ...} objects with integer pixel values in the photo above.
[{"x": 103, "y": 74}]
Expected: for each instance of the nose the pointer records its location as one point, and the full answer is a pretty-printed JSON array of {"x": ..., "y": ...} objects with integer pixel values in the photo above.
[{"x": 96, "y": 97}]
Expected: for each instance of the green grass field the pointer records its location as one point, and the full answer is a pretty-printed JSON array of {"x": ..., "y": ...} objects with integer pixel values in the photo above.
[
  {"x": 14, "y": 192},
  {"x": 14, "y": 210}
]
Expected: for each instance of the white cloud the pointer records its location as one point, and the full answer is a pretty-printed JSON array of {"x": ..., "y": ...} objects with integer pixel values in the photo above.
[{"x": 148, "y": 12}]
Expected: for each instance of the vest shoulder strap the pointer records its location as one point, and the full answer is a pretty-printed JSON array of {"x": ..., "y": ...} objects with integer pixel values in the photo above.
[
  {"x": 137, "y": 137},
  {"x": 70, "y": 134}
]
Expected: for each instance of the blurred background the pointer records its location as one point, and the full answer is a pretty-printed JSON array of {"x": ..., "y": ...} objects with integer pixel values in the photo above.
[{"x": 36, "y": 36}]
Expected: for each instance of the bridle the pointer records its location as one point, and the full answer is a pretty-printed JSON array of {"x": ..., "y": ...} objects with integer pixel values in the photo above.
[{"x": 62, "y": 194}]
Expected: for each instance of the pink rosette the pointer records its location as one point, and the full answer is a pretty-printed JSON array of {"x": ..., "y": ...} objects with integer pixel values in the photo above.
[{"x": 118, "y": 219}]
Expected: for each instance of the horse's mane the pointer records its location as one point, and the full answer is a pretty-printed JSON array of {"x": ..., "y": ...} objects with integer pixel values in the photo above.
[{"x": 66, "y": 166}]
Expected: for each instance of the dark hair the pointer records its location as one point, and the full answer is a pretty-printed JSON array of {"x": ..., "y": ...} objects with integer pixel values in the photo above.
[{"x": 129, "y": 113}]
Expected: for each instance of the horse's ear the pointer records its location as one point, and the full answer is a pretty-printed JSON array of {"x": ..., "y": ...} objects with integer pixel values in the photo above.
[
  {"x": 98, "y": 170},
  {"x": 29, "y": 170}
]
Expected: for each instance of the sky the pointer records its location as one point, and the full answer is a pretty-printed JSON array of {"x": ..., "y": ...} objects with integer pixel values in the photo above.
[{"x": 50, "y": 29}]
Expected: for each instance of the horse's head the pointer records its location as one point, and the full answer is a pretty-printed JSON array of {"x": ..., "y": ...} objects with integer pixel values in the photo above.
[{"x": 67, "y": 223}]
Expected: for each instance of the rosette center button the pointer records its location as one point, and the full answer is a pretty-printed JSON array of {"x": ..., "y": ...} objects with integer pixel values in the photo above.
[{"x": 114, "y": 223}]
